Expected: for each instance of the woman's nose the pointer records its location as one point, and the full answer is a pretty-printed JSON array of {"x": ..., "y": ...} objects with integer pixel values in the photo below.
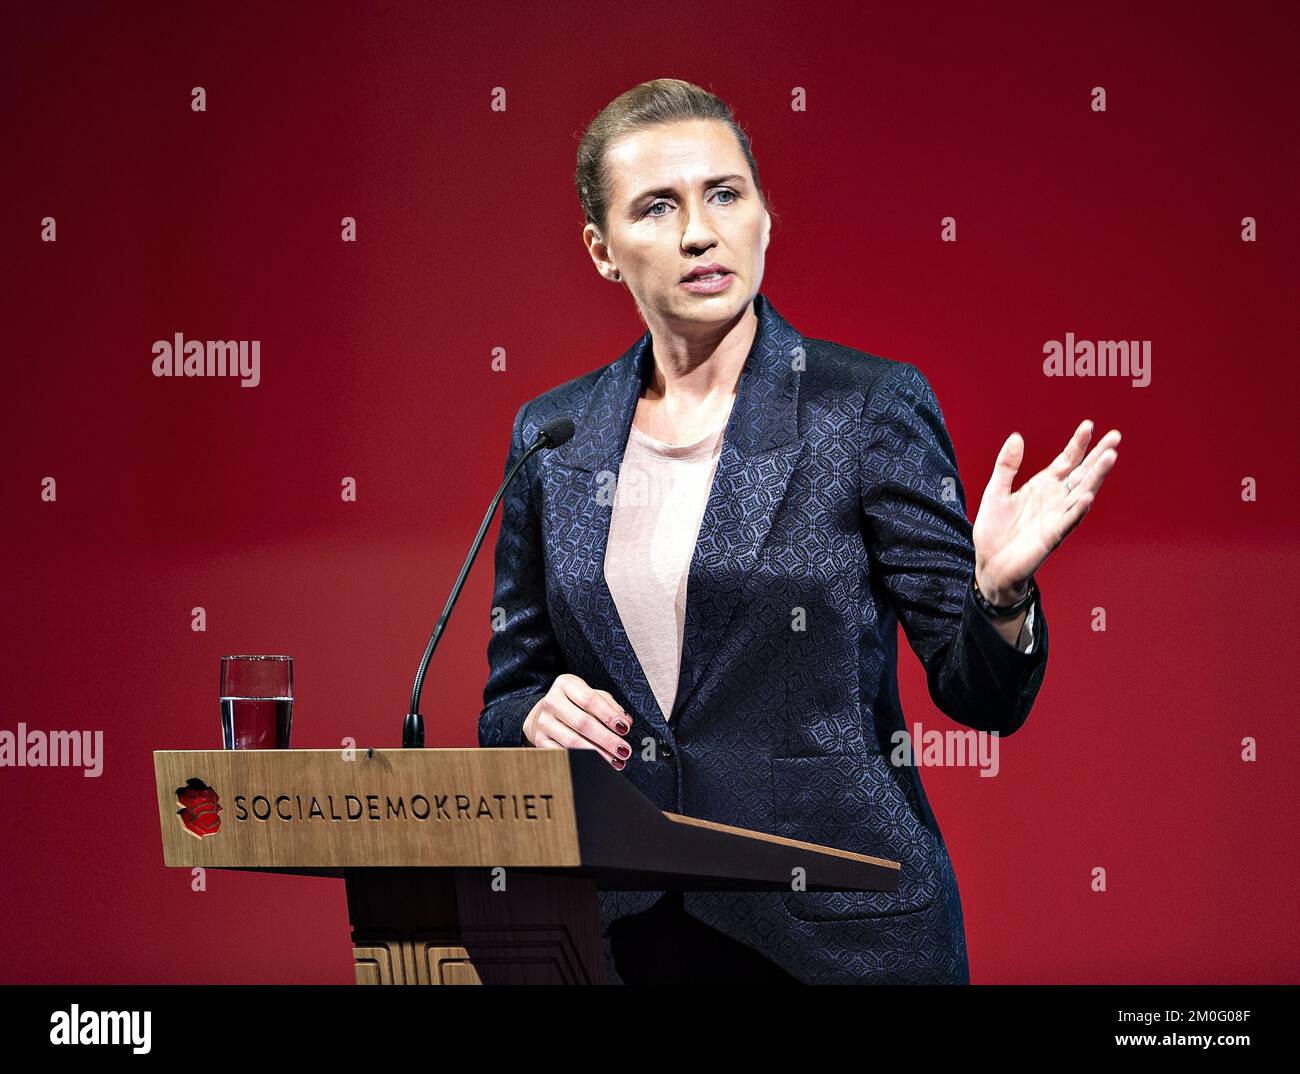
[{"x": 697, "y": 230}]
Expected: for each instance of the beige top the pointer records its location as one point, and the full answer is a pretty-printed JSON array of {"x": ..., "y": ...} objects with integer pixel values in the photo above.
[{"x": 658, "y": 506}]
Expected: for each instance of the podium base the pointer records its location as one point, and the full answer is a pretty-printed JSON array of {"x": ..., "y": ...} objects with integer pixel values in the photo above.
[{"x": 448, "y": 926}]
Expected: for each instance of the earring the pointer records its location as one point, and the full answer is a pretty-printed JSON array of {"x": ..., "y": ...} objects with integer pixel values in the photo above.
[{"x": 617, "y": 275}]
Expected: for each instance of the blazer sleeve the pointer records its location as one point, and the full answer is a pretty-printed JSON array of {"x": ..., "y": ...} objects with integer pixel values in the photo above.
[
  {"x": 523, "y": 655},
  {"x": 919, "y": 541}
]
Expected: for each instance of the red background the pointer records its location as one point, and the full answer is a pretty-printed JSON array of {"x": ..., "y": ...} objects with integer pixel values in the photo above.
[{"x": 177, "y": 493}]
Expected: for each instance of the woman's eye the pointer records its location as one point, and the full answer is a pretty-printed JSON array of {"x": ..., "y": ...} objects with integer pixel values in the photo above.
[{"x": 721, "y": 190}]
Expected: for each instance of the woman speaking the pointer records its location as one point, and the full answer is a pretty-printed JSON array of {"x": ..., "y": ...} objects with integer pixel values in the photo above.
[{"x": 705, "y": 583}]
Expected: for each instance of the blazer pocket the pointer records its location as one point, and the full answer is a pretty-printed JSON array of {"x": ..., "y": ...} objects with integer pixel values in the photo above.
[{"x": 857, "y": 804}]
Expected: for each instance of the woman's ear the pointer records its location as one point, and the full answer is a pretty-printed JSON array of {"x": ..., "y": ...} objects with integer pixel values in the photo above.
[
  {"x": 767, "y": 229},
  {"x": 599, "y": 252}
]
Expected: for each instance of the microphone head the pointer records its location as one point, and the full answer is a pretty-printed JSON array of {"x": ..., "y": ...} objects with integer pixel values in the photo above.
[{"x": 557, "y": 431}]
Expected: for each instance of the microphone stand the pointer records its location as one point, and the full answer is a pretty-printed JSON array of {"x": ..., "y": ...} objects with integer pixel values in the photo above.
[{"x": 413, "y": 726}]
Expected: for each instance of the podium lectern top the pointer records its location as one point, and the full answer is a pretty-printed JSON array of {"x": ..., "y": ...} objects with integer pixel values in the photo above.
[{"x": 319, "y": 812}]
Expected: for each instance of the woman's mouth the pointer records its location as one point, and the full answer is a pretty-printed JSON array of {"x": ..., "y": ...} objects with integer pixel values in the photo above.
[{"x": 708, "y": 285}]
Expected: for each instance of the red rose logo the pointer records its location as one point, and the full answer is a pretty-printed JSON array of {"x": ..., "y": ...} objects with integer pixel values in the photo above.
[{"x": 200, "y": 807}]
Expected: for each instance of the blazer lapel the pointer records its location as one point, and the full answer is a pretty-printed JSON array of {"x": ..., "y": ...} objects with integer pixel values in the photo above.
[
  {"x": 760, "y": 446},
  {"x": 584, "y": 474}
]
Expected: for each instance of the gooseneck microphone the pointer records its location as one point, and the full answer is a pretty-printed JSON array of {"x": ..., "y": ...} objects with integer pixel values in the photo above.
[{"x": 555, "y": 432}]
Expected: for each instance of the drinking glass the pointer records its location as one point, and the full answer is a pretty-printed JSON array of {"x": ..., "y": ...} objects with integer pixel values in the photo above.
[{"x": 256, "y": 702}]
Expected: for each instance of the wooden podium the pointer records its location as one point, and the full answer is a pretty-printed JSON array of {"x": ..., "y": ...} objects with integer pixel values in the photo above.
[{"x": 470, "y": 866}]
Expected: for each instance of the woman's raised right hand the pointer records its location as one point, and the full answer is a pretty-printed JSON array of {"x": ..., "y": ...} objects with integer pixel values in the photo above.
[{"x": 573, "y": 715}]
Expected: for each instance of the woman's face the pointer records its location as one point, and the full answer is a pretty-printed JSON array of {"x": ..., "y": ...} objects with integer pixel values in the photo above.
[{"x": 680, "y": 197}]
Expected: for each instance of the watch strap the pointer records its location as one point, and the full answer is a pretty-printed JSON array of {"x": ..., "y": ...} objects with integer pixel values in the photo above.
[{"x": 1003, "y": 611}]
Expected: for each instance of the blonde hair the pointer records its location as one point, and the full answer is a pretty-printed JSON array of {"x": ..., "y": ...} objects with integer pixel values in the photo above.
[{"x": 661, "y": 100}]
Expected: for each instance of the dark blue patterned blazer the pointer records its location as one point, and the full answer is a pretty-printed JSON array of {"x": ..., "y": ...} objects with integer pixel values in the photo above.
[{"x": 836, "y": 493}]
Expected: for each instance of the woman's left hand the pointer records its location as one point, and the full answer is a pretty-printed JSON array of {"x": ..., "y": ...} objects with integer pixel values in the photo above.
[{"x": 1015, "y": 531}]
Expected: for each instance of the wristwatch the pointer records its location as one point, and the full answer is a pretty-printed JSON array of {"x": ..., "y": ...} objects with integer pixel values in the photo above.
[{"x": 1003, "y": 611}]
